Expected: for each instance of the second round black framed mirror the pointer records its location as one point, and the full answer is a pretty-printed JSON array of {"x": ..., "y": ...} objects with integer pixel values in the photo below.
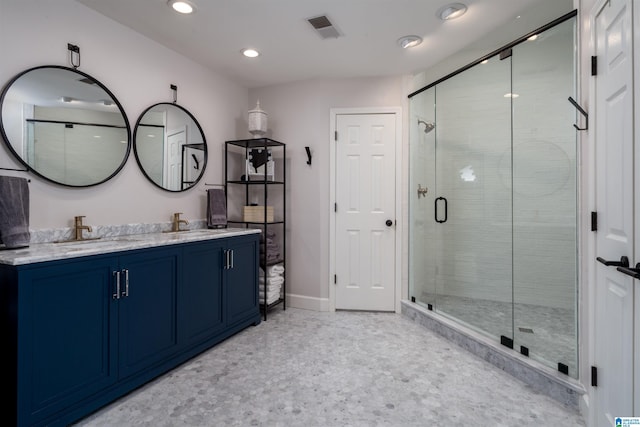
[{"x": 170, "y": 147}]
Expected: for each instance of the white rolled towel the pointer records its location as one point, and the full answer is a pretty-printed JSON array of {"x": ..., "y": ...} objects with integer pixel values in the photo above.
[
  {"x": 270, "y": 298},
  {"x": 275, "y": 270},
  {"x": 270, "y": 288},
  {"x": 273, "y": 280}
]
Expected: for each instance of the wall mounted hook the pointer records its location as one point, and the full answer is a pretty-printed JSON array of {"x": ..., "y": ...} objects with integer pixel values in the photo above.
[
  {"x": 309, "y": 157},
  {"x": 174, "y": 88},
  {"x": 73, "y": 49}
]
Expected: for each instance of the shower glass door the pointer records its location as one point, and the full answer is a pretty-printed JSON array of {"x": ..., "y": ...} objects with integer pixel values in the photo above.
[
  {"x": 472, "y": 202},
  {"x": 493, "y": 234},
  {"x": 423, "y": 252},
  {"x": 544, "y": 198}
]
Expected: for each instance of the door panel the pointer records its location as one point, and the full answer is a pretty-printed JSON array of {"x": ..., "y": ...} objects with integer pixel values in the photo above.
[
  {"x": 365, "y": 196},
  {"x": 147, "y": 331},
  {"x": 614, "y": 202},
  {"x": 200, "y": 304},
  {"x": 67, "y": 354}
]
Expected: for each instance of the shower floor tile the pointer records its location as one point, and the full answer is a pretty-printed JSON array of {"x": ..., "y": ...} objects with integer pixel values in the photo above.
[
  {"x": 548, "y": 333},
  {"x": 305, "y": 368}
]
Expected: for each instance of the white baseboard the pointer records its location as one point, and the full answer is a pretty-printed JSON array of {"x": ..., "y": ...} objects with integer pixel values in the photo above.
[{"x": 307, "y": 303}]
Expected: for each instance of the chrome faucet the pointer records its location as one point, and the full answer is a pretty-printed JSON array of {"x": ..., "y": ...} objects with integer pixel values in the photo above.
[
  {"x": 78, "y": 227},
  {"x": 175, "y": 224}
]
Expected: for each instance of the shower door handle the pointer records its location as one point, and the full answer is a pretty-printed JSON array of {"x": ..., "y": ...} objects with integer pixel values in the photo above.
[
  {"x": 624, "y": 262},
  {"x": 633, "y": 272},
  {"x": 446, "y": 210}
]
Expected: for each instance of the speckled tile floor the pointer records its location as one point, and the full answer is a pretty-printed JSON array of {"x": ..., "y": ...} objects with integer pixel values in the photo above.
[{"x": 305, "y": 368}]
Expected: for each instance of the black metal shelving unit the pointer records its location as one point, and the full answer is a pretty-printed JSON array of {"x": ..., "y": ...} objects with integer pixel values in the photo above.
[{"x": 250, "y": 183}]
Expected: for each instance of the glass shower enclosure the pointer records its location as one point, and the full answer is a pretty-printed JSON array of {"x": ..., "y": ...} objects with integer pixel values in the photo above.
[{"x": 493, "y": 197}]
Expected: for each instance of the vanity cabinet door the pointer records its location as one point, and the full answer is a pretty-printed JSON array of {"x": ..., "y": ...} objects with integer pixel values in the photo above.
[
  {"x": 241, "y": 280},
  {"x": 200, "y": 309},
  {"x": 64, "y": 351},
  {"x": 147, "y": 308}
]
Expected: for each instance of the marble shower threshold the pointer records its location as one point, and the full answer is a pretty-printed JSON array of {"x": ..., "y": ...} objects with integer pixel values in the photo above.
[{"x": 540, "y": 378}]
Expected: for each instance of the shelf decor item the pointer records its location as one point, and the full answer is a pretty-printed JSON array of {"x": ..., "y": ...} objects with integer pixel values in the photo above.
[
  {"x": 257, "y": 122},
  {"x": 258, "y": 160},
  {"x": 256, "y": 213}
]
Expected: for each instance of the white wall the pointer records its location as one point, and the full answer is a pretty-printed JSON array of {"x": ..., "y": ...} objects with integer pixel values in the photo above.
[
  {"x": 138, "y": 72},
  {"x": 298, "y": 115}
]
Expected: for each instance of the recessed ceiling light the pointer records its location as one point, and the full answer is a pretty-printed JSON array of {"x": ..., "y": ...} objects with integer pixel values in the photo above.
[
  {"x": 250, "y": 53},
  {"x": 485, "y": 61},
  {"x": 409, "y": 41},
  {"x": 182, "y": 6},
  {"x": 511, "y": 95},
  {"x": 533, "y": 37},
  {"x": 451, "y": 11}
]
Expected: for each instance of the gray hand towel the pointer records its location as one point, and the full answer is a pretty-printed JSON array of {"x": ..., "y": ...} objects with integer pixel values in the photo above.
[
  {"x": 216, "y": 208},
  {"x": 14, "y": 212}
]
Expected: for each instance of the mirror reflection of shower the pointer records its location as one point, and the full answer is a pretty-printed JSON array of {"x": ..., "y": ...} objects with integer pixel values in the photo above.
[{"x": 428, "y": 126}]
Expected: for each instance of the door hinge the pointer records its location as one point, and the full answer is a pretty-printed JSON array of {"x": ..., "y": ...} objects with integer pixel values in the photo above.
[
  {"x": 335, "y": 279},
  {"x": 594, "y": 221},
  {"x": 594, "y": 65},
  {"x": 335, "y": 135},
  {"x": 335, "y": 207},
  {"x": 594, "y": 376}
]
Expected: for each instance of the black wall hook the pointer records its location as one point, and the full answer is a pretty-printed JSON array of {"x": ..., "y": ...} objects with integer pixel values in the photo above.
[
  {"x": 74, "y": 49},
  {"x": 584, "y": 113},
  {"x": 309, "y": 157},
  {"x": 174, "y": 88}
]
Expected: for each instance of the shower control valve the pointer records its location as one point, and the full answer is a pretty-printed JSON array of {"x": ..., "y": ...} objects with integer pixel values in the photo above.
[{"x": 422, "y": 191}]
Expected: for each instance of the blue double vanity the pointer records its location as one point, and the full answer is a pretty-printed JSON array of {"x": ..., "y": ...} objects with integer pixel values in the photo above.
[{"x": 87, "y": 322}]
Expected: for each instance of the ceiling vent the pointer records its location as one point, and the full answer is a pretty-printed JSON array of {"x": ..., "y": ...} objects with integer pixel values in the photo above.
[{"x": 324, "y": 27}]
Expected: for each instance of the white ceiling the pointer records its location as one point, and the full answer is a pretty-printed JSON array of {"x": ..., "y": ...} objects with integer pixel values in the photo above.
[{"x": 292, "y": 51}]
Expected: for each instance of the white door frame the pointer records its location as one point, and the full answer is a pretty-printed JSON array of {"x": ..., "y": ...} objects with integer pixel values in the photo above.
[
  {"x": 590, "y": 287},
  {"x": 333, "y": 113}
]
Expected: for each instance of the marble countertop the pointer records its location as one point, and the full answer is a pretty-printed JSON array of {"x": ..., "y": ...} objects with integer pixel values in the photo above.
[{"x": 40, "y": 252}]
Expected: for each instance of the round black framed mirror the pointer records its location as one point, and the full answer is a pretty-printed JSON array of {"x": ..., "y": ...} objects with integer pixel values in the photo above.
[
  {"x": 170, "y": 147},
  {"x": 64, "y": 126}
]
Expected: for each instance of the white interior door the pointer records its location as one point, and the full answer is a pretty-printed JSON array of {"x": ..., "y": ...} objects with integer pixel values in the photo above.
[
  {"x": 614, "y": 305},
  {"x": 173, "y": 159},
  {"x": 365, "y": 212}
]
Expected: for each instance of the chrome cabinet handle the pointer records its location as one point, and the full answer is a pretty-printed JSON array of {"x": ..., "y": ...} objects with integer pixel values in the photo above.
[
  {"x": 116, "y": 295},
  {"x": 226, "y": 259},
  {"x": 231, "y": 250},
  {"x": 126, "y": 282}
]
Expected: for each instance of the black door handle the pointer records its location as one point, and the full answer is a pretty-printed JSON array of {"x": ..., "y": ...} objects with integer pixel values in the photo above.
[
  {"x": 633, "y": 272},
  {"x": 446, "y": 208},
  {"x": 624, "y": 262},
  {"x": 389, "y": 223}
]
